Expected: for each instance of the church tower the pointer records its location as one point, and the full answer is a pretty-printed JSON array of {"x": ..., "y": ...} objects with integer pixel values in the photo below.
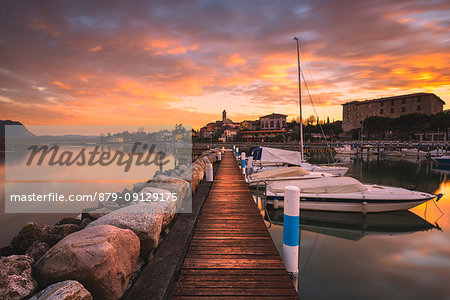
[{"x": 224, "y": 115}]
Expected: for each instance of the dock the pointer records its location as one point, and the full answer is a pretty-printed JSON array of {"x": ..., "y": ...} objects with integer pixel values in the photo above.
[{"x": 231, "y": 254}]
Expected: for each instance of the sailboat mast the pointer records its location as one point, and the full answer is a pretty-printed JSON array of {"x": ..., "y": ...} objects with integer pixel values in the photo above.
[{"x": 300, "y": 100}]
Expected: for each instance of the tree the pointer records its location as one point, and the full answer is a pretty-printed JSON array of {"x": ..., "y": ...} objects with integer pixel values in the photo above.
[{"x": 311, "y": 119}]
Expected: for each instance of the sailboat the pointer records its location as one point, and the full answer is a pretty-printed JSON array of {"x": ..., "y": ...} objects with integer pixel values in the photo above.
[
  {"x": 266, "y": 158},
  {"x": 345, "y": 149},
  {"x": 345, "y": 194}
]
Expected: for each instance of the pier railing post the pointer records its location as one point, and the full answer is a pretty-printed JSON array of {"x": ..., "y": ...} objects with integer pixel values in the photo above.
[
  {"x": 291, "y": 227},
  {"x": 243, "y": 162},
  {"x": 209, "y": 173}
]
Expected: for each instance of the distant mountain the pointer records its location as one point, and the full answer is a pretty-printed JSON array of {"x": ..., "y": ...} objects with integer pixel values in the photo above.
[{"x": 18, "y": 131}]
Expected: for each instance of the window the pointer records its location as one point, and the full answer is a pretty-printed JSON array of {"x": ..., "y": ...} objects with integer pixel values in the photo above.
[
  {"x": 392, "y": 102},
  {"x": 381, "y": 104},
  {"x": 403, "y": 101},
  {"x": 392, "y": 110},
  {"x": 419, "y": 99},
  {"x": 419, "y": 107},
  {"x": 381, "y": 111},
  {"x": 271, "y": 124},
  {"x": 278, "y": 124},
  {"x": 403, "y": 109}
]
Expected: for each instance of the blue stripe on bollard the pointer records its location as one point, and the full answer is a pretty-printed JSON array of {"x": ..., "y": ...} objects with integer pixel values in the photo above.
[{"x": 291, "y": 230}]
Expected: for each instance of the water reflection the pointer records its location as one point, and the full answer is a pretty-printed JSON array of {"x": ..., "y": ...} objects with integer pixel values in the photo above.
[
  {"x": 354, "y": 226},
  {"x": 398, "y": 255},
  {"x": 101, "y": 177}
]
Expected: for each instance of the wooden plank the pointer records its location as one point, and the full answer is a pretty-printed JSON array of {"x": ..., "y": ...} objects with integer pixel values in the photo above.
[
  {"x": 243, "y": 278},
  {"x": 232, "y": 284},
  {"x": 234, "y": 297},
  {"x": 234, "y": 272},
  {"x": 243, "y": 291}
]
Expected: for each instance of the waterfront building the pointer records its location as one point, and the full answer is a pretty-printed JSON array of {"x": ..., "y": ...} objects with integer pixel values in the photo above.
[
  {"x": 262, "y": 135},
  {"x": 354, "y": 112},
  {"x": 273, "y": 122}
]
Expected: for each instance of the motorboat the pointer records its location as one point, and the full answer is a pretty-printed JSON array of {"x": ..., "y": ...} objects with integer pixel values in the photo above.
[
  {"x": 266, "y": 158},
  {"x": 345, "y": 149},
  {"x": 282, "y": 174},
  {"x": 437, "y": 153},
  {"x": 392, "y": 153},
  {"x": 443, "y": 161},
  {"x": 413, "y": 152},
  {"x": 348, "y": 195}
]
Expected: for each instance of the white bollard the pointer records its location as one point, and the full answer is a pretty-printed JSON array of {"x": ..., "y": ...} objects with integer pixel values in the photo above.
[
  {"x": 276, "y": 203},
  {"x": 250, "y": 162},
  {"x": 219, "y": 156},
  {"x": 291, "y": 227},
  {"x": 209, "y": 173}
]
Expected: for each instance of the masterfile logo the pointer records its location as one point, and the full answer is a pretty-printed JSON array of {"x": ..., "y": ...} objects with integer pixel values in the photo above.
[{"x": 69, "y": 168}]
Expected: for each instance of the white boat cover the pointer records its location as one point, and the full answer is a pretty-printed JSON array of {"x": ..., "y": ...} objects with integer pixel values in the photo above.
[
  {"x": 278, "y": 155},
  {"x": 279, "y": 172},
  {"x": 413, "y": 151},
  {"x": 326, "y": 185}
]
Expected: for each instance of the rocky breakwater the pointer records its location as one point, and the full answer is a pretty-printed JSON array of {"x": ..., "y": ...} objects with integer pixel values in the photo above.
[
  {"x": 101, "y": 258},
  {"x": 100, "y": 255}
]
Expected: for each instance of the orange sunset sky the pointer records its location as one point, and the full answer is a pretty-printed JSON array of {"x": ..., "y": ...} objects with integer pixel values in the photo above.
[{"x": 166, "y": 62}]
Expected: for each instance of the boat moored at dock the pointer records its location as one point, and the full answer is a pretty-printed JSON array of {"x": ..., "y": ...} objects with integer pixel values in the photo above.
[
  {"x": 347, "y": 194},
  {"x": 265, "y": 158}
]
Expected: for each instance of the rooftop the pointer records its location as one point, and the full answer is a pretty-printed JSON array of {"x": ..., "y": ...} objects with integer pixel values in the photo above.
[
  {"x": 273, "y": 115},
  {"x": 394, "y": 97}
]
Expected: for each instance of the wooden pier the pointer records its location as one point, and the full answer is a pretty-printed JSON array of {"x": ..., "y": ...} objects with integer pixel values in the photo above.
[{"x": 231, "y": 254}]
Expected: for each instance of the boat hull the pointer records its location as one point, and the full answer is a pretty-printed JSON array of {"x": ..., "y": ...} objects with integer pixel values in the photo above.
[
  {"x": 443, "y": 161},
  {"x": 355, "y": 206}
]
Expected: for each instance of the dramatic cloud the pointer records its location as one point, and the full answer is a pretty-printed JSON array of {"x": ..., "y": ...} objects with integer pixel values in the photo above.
[{"x": 87, "y": 62}]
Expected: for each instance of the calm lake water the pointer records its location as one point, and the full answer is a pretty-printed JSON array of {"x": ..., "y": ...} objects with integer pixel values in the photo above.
[
  {"x": 98, "y": 179},
  {"x": 396, "y": 255}
]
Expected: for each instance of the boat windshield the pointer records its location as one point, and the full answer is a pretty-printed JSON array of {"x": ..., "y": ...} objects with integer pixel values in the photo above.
[{"x": 280, "y": 172}]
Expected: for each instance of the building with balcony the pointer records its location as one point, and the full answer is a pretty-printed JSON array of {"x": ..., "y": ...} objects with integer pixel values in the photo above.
[{"x": 262, "y": 135}]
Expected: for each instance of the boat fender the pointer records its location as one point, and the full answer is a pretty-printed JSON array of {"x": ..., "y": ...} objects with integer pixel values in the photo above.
[
  {"x": 364, "y": 208},
  {"x": 412, "y": 187},
  {"x": 276, "y": 203}
]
